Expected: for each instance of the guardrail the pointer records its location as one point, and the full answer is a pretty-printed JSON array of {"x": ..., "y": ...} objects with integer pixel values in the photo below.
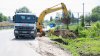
[{"x": 6, "y": 27}]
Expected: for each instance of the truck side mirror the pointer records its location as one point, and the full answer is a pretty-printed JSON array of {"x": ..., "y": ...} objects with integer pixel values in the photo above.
[
  {"x": 36, "y": 18},
  {"x": 13, "y": 19}
]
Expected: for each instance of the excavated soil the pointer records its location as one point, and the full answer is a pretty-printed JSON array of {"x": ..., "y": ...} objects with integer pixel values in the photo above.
[{"x": 65, "y": 33}]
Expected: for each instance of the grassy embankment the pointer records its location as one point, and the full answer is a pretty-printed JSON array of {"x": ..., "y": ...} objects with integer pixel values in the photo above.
[{"x": 86, "y": 44}]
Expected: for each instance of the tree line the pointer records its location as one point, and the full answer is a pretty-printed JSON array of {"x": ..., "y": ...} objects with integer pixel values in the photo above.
[
  {"x": 3, "y": 17},
  {"x": 93, "y": 16}
]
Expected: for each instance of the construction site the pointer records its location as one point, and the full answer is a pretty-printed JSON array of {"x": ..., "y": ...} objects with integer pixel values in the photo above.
[{"x": 54, "y": 30}]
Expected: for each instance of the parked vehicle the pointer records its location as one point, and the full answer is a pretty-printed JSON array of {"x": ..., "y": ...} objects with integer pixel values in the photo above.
[{"x": 25, "y": 25}]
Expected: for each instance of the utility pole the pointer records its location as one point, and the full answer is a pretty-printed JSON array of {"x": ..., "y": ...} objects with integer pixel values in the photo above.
[
  {"x": 83, "y": 17},
  {"x": 83, "y": 13},
  {"x": 78, "y": 18}
]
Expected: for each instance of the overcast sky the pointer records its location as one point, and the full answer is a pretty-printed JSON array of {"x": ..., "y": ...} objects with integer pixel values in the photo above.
[{"x": 8, "y": 7}]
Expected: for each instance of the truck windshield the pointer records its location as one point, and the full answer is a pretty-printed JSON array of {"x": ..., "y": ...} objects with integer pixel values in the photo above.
[{"x": 25, "y": 18}]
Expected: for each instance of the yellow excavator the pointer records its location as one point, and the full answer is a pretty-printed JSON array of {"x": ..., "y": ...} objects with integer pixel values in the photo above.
[{"x": 47, "y": 11}]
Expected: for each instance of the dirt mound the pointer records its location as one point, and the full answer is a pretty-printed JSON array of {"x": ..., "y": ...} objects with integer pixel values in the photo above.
[{"x": 65, "y": 33}]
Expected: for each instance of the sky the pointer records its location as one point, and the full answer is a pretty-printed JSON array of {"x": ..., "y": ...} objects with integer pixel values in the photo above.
[{"x": 8, "y": 7}]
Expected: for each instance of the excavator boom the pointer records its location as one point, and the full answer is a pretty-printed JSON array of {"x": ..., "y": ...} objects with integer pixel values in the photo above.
[{"x": 50, "y": 10}]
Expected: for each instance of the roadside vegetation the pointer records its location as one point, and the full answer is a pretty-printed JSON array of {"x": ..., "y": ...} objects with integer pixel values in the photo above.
[
  {"x": 5, "y": 22},
  {"x": 80, "y": 40},
  {"x": 86, "y": 44}
]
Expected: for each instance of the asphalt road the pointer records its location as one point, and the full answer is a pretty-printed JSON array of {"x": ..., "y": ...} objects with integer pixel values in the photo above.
[{"x": 13, "y": 47}]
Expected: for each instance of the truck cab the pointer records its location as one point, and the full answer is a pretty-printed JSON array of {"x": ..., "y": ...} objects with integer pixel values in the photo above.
[{"x": 25, "y": 25}]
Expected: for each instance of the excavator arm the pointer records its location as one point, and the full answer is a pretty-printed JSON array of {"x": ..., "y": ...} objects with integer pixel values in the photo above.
[{"x": 50, "y": 10}]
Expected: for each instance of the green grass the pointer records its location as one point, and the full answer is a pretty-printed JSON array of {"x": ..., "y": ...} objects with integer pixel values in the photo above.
[
  {"x": 85, "y": 46},
  {"x": 73, "y": 27},
  {"x": 81, "y": 46},
  {"x": 87, "y": 43}
]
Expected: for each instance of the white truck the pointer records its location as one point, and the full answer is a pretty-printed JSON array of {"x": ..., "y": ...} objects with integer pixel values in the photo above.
[{"x": 25, "y": 25}]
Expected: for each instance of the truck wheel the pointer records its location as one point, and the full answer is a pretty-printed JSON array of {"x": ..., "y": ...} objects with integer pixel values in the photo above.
[
  {"x": 33, "y": 37},
  {"x": 17, "y": 37}
]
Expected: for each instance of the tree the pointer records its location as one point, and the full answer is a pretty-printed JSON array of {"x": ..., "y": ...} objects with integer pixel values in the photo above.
[
  {"x": 66, "y": 19},
  {"x": 73, "y": 19},
  {"x": 5, "y": 18},
  {"x": 87, "y": 18},
  {"x": 82, "y": 21},
  {"x": 23, "y": 10},
  {"x": 96, "y": 9},
  {"x": 95, "y": 16},
  {"x": 2, "y": 17}
]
